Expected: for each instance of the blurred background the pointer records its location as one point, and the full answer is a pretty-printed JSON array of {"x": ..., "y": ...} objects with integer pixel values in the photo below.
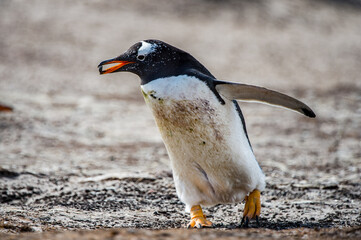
[
  {"x": 80, "y": 150},
  {"x": 68, "y": 119}
]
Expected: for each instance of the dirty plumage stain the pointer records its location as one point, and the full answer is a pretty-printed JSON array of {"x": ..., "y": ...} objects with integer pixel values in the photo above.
[
  {"x": 186, "y": 118},
  {"x": 209, "y": 154}
]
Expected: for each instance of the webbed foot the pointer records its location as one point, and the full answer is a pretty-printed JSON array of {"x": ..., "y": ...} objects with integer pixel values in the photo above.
[
  {"x": 252, "y": 209},
  {"x": 198, "y": 220}
]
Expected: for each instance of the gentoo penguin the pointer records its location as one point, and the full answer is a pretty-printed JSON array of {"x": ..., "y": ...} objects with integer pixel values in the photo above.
[{"x": 202, "y": 126}]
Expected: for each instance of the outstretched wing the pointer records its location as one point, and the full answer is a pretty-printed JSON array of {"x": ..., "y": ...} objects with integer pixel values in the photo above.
[{"x": 244, "y": 92}]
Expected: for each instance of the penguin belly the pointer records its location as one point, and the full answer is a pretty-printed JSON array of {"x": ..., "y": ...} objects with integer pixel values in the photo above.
[{"x": 211, "y": 158}]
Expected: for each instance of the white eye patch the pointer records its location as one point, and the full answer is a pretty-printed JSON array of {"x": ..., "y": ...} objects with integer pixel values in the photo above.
[{"x": 146, "y": 48}]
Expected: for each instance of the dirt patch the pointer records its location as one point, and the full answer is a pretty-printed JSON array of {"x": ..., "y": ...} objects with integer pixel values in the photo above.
[
  {"x": 151, "y": 202},
  {"x": 301, "y": 233}
]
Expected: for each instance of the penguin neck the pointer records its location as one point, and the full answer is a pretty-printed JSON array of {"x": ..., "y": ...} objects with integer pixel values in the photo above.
[{"x": 180, "y": 87}]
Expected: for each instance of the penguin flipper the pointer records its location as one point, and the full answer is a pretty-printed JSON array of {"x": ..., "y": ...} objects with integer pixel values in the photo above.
[{"x": 244, "y": 92}]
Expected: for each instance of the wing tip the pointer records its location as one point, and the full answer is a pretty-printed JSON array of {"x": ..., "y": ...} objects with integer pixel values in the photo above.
[{"x": 308, "y": 112}]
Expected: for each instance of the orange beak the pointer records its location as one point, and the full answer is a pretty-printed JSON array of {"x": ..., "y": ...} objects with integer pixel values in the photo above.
[{"x": 113, "y": 68}]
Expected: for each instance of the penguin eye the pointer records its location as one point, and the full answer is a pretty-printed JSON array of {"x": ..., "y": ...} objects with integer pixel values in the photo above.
[{"x": 141, "y": 57}]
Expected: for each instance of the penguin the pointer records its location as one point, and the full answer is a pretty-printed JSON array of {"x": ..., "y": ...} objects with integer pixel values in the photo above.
[{"x": 202, "y": 127}]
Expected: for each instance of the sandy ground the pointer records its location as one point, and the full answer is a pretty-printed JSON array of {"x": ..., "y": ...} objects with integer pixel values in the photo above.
[{"x": 81, "y": 151}]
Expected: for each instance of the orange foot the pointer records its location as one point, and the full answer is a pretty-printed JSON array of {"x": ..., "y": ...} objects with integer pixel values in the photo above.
[
  {"x": 252, "y": 209},
  {"x": 198, "y": 220}
]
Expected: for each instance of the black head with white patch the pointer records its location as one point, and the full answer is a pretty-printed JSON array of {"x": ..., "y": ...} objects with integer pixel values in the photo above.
[{"x": 153, "y": 59}]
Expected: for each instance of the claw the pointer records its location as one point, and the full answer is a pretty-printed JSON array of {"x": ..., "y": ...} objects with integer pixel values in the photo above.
[
  {"x": 246, "y": 223},
  {"x": 198, "y": 220},
  {"x": 252, "y": 208},
  {"x": 242, "y": 221}
]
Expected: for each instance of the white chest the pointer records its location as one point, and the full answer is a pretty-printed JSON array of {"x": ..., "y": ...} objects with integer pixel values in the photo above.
[
  {"x": 192, "y": 121},
  {"x": 208, "y": 149},
  {"x": 184, "y": 107}
]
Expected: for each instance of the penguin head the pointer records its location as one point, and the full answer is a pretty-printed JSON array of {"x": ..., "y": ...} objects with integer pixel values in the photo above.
[{"x": 152, "y": 59}]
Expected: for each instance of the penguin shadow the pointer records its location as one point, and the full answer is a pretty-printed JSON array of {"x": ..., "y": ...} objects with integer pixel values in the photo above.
[{"x": 274, "y": 225}]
